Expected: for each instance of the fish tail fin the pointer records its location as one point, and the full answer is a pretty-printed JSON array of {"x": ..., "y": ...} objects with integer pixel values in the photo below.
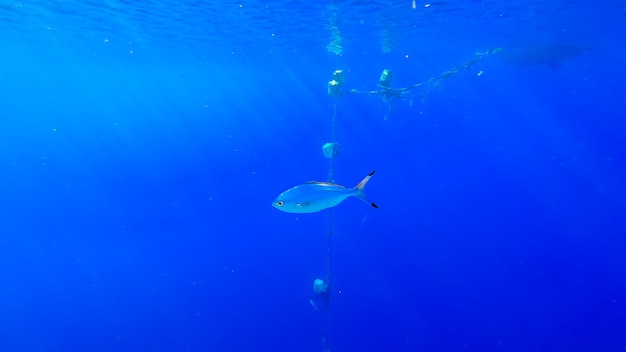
[{"x": 360, "y": 192}]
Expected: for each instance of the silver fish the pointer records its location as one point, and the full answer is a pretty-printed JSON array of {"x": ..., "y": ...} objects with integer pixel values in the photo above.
[{"x": 314, "y": 196}]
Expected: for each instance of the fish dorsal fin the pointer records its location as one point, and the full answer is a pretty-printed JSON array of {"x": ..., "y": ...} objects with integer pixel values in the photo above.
[{"x": 324, "y": 183}]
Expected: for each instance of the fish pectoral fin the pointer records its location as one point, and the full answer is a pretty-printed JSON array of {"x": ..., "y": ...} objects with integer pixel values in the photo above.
[{"x": 302, "y": 205}]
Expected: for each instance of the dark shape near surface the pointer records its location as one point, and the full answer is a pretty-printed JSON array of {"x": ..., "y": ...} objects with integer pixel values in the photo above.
[{"x": 551, "y": 56}]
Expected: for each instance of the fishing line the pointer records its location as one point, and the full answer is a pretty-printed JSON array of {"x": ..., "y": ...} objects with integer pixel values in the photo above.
[
  {"x": 331, "y": 178},
  {"x": 331, "y": 173}
]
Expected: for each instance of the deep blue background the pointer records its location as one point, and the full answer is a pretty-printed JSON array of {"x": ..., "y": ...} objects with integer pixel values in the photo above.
[{"x": 141, "y": 147}]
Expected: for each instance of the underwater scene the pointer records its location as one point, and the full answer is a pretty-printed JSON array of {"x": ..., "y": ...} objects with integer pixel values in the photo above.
[{"x": 313, "y": 176}]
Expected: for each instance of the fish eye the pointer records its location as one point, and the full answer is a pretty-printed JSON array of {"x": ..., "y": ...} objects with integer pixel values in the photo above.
[{"x": 280, "y": 203}]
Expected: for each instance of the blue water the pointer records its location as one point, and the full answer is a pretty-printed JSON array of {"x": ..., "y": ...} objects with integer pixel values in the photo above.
[{"x": 142, "y": 143}]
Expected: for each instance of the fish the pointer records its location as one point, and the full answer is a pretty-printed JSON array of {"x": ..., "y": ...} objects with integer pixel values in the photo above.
[
  {"x": 315, "y": 196},
  {"x": 551, "y": 56}
]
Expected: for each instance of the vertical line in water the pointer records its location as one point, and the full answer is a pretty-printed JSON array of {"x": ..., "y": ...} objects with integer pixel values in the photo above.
[
  {"x": 331, "y": 173},
  {"x": 331, "y": 178}
]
